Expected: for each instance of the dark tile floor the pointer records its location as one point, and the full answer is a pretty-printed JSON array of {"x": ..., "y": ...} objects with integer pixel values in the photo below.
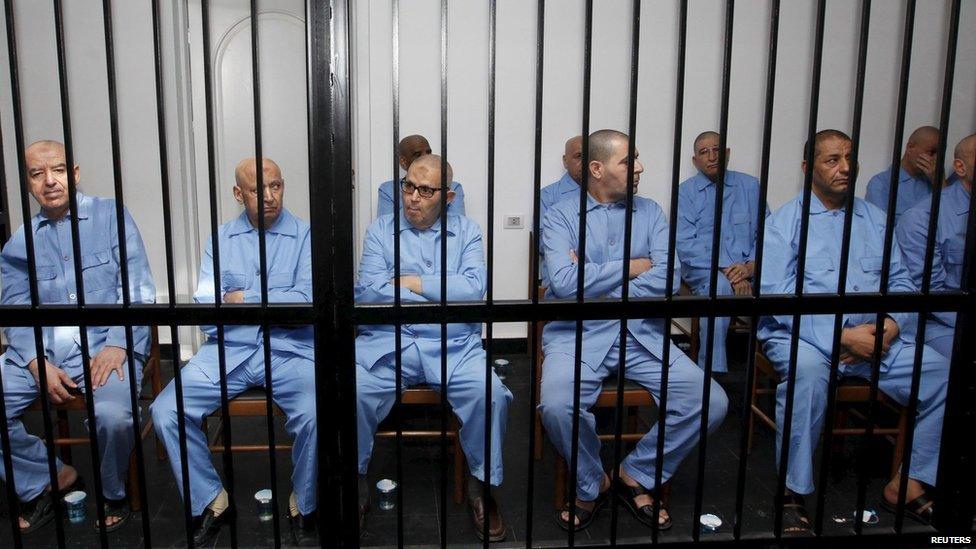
[{"x": 421, "y": 493}]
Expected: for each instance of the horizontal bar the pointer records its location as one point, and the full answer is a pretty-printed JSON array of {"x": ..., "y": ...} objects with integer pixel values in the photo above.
[{"x": 516, "y": 310}]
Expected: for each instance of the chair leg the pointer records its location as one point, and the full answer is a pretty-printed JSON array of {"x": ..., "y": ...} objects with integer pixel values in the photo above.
[
  {"x": 898, "y": 455},
  {"x": 132, "y": 484},
  {"x": 538, "y": 436},
  {"x": 560, "y": 491},
  {"x": 753, "y": 402},
  {"x": 458, "y": 466},
  {"x": 64, "y": 431},
  {"x": 840, "y": 420}
]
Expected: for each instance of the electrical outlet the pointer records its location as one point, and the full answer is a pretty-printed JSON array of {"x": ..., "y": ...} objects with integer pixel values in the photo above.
[{"x": 514, "y": 221}]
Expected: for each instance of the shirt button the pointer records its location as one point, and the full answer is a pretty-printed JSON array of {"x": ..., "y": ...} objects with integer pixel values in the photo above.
[
  {"x": 857, "y": 288},
  {"x": 72, "y": 297},
  {"x": 612, "y": 242},
  {"x": 65, "y": 257},
  {"x": 428, "y": 263},
  {"x": 257, "y": 273}
]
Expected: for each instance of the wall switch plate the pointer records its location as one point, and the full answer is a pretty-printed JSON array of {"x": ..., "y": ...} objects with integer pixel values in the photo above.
[{"x": 514, "y": 221}]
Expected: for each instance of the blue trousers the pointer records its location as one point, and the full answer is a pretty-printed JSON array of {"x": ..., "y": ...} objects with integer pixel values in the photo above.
[
  {"x": 466, "y": 393},
  {"x": 940, "y": 337},
  {"x": 810, "y": 401},
  {"x": 293, "y": 379},
  {"x": 113, "y": 422},
  {"x": 681, "y": 424},
  {"x": 698, "y": 280}
]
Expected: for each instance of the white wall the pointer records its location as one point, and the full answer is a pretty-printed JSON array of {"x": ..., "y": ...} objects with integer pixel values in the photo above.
[{"x": 516, "y": 55}]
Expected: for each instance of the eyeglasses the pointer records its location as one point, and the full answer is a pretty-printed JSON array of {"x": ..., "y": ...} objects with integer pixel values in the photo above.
[{"x": 408, "y": 187}]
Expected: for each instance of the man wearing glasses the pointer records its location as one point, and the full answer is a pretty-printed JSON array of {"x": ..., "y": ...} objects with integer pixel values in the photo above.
[
  {"x": 420, "y": 232},
  {"x": 411, "y": 148}
]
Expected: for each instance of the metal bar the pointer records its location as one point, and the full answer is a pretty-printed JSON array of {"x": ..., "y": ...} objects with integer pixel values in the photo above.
[
  {"x": 713, "y": 276},
  {"x": 800, "y": 267},
  {"x": 170, "y": 269},
  {"x": 581, "y": 255},
  {"x": 443, "y": 282},
  {"x": 263, "y": 267},
  {"x": 490, "y": 243},
  {"x": 398, "y": 335},
  {"x": 662, "y": 405},
  {"x": 947, "y": 85},
  {"x": 120, "y": 214},
  {"x": 625, "y": 270},
  {"x": 533, "y": 294},
  {"x": 757, "y": 272},
  {"x": 215, "y": 244},
  {"x": 832, "y": 380},
  {"x": 79, "y": 278},
  {"x": 886, "y": 252}
]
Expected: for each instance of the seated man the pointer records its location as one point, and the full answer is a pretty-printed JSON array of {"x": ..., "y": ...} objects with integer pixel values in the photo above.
[
  {"x": 411, "y": 148},
  {"x": 420, "y": 244},
  {"x": 915, "y": 176},
  {"x": 47, "y": 174},
  {"x": 564, "y": 187},
  {"x": 696, "y": 217},
  {"x": 831, "y": 172},
  {"x": 950, "y": 243},
  {"x": 289, "y": 264},
  {"x": 647, "y": 271}
]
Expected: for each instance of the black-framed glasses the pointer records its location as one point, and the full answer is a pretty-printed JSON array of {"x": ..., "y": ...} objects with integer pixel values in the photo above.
[{"x": 409, "y": 187}]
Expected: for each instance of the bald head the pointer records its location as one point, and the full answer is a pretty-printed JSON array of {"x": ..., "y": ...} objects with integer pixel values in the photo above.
[
  {"x": 45, "y": 144},
  {"x": 246, "y": 171},
  {"x": 47, "y": 175},
  {"x": 708, "y": 134},
  {"x": 921, "y": 152},
  {"x": 432, "y": 163},
  {"x": 965, "y": 159},
  {"x": 924, "y": 133},
  {"x": 602, "y": 144},
  {"x": 411, "y": 148},
  {"x": 246, "y": 190},
  {"x": 573, "y": 158}
]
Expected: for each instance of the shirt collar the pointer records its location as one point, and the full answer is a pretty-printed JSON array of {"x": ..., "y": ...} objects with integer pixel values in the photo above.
[
  {"x": 817, "y": 207},
  {"x": 961, "y": 204},
  {"x": 567, "y": 184},
  {"x": 702, "y": 181},
  {"x": 592, "y": 203},
  {"x": 284, "y": 225},
  {"x": 452, "y": 224},
  {"x": 84, "y": 211}
]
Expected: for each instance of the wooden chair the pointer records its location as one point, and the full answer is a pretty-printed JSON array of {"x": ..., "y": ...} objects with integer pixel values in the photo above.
[
  {"x": 65, "y": 441},
  {"x": 850, "y": 392},
  {"x": 251, "y": 403},
  {"x": 738, "y": 325}
]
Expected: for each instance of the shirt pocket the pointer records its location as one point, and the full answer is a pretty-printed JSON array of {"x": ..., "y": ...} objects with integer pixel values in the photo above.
[
  {"x": 48, "y": 287},
  {"x": 233, "y": 280},
  {"x": 954, "y": 256},
  {"x": 870, "y": 264},
  {"x": 99, "y": 271},
  {"x": 819, "y": 264},
  {"x": 281, "y": 280}
]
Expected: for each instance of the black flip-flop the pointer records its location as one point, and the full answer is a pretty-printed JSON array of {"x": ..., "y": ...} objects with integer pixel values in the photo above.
[
  {"x": 645, "y": 513},
  {"x": 796, "y": 518},
  {"x": 584, "y": 516},
  {"x": 115, "y": 508},
  {"x": 40, "y": 510},
  {"x": 916, "y": 509}
]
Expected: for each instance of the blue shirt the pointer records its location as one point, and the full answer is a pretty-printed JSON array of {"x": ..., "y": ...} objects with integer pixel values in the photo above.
[
  {"x": 950, "y": 242},
  {"x": 696, "y": 215},
  {"x": 911, "y": 191},
  {"x": 603, "y": 270},
  {"x": 549, "y": 196},
  {"x": 384, "y": 199},
  {"x": 420, "y": 254},
  {"x": 289, "y": 263},
  {"x": 98, "y": 236},
  {"x": 822, "y": 263}
]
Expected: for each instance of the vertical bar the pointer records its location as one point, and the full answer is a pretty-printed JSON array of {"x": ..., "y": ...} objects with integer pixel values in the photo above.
[
  {"x": 886, "y": 252},
  {"x": 134, "y": 389},
  {"x": 833, "y": 378},
  {"x": 31, "y": 263},
  {"x": 263, "y": 267},
  {"x": 801, "y": 261},
  {"x": 947, "y": 83},
  {"x": 170, "y": 269},
  {"x": 625, "y": 270},
  {"x": 669, "y": 284},
  {"x": 397, "y": 305},
  {"x": 486, "y": 481},
  {"x": 534, "y": 297},
  {"x": 215, "y": 244},
  {"x": 443, "y": 289},
  {"x": 740, "y": 485},
  {"x": 79, "y": 278},
  {"x": 581, "y": 255},
  {"x": 713, "y": 276}
]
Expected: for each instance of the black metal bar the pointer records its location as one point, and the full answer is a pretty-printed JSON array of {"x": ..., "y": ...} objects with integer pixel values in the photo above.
[
  {"x": 886, "y": 252},
  {"x": 443, "y": 282},
  {"x": 398, "y": 326},
  {"x": 713, "y": 276},
  {"x": 490, "y": 243},
  {"x": 263, "y": 267},
  {"x": 215, "y": 244},
  {"x": 625, "y": 270},
  {"x": 170, "y": 268},
  {"x": 833, "y": 378},
  {"x": 79, "y": 278},
  {"x": 134, "y": 389},
  {"x": 947, "y": 85},
  {"x": 32, "y": 265},
  {"x": 581, "y": 256},
  {"x": 800, "y": 267},
  {"x": 533, "y": 253},
  {"x": 757, "y": 272}
]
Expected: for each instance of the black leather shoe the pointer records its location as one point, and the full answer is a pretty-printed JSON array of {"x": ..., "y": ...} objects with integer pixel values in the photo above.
[
  {"x": 303, "y": 530},
  {"x": 206, "y": 527}
]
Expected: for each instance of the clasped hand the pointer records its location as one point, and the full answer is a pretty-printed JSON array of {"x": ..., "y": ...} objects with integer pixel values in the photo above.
[{"x": 857, "y": 343}]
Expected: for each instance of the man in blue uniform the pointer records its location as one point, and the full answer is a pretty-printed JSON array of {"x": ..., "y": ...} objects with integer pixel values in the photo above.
[
  {"x": 603, "y": 269},
  {"x": 950, "y": 243},
  {"x": 564, "y": 187},
  {"x": 831, "y": 175},
  {"x": 696, "y": 216},
  {"x": 47, "y": 173},
  {"x": 289, "y": 262},
  {"x": 411, "y": 148},
  {"x": 915, "y": 175},
  {"x": 420, "y": 267}
]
